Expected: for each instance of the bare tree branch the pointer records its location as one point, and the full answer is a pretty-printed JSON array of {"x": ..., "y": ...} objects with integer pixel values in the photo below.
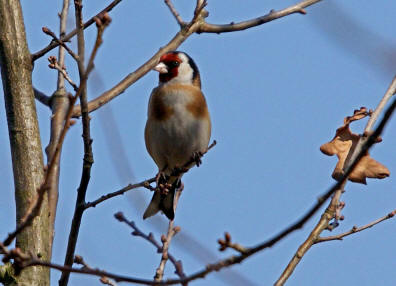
[
  {"x": 61, "y": 69},
  {"x": 70, "y": 35},
  {"x": 227, "y": 243},
  {"x": 31, "y": 261},
  {"x": 61, "y": 52},
  {"x": 119, "y": 192},
  {"x": 150, "y": 238},
  {"x": 60, "y": 104},
  {"x": 175, "y": 13},
  {"x": 194, "y": 26},
  {"x": 60, "y": 42},
  {"x": 145, "y": 183},
  {"x": 350, "y": 162},
  {"x": 166, "y": 241},
  {"x": 355, "y": 229},
  {"x": 42, "y": 97},
  {"x": 272, "y": 15},
  {"x": 101, "y": 22}
]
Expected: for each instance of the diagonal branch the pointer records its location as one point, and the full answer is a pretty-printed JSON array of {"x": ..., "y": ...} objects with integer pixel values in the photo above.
[{"x": 196, "y": 25}]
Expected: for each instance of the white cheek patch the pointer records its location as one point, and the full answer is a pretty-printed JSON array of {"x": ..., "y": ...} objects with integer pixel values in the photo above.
[{"x": 185, "y": 72}]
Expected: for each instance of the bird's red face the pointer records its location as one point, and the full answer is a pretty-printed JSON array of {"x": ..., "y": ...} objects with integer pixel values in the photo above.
[
  {"x": 168, "y": 67},
  {"x": 177, "y": 67}
]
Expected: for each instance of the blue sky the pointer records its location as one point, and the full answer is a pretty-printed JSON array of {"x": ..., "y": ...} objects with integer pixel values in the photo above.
[{"x": 276, "y": 93}]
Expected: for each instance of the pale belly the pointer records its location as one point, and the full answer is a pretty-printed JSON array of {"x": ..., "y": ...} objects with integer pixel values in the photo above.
[{"x": 174, "y": 141}]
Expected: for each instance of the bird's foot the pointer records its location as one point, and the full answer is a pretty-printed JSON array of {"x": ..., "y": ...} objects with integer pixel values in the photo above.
[
  {"x": 164, "y": 188},
  {"x": 196, "y": 157},
  {"x": 160, "y": 178}
]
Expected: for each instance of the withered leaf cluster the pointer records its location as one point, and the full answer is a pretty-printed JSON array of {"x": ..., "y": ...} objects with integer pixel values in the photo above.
[{"x": 344, "y": 143}]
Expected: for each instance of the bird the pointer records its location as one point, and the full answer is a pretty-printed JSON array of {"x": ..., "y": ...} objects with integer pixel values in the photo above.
[{"x": 178, "y": 126}]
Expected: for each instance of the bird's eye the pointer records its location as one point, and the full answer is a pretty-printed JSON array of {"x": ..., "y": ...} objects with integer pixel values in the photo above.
[{"x": 173, "y": 64}]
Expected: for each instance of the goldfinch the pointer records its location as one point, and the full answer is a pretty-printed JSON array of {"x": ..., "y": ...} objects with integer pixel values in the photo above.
[{"x": 178, "y": 125}]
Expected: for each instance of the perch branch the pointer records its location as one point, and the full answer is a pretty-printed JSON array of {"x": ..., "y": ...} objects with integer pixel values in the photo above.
[{"x": 145, "y": 183}]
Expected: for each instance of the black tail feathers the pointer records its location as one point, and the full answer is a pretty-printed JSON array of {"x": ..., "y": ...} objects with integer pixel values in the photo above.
[{"x": 163, "y": 202}]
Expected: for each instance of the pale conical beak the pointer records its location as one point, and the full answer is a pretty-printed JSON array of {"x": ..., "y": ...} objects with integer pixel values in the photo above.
[{"x": 161, "y": 68}]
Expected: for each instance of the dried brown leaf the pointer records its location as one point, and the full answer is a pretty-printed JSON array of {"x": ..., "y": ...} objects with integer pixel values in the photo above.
[{"x": 344, "y": 143}]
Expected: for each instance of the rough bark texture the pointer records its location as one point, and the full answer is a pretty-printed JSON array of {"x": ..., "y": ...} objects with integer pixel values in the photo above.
[{"x": 27, "y": 157}]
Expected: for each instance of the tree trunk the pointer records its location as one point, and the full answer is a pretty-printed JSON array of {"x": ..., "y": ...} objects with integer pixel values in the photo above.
[{"x": 27, "y": 157}]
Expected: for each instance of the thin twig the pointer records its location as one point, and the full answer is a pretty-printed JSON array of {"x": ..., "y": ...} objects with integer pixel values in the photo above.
[
  {"x": 172, "y": 230},
  {"x": 272, "y": 15},
  {"x": 227, "y": 243},
  {"x": 356, "y": 229},
  {"x": 388, "y": 94},
  {"x": 150, "y": 238},
  {"x": 55, "y": 65},
  {"x": 60, "y": 42},
  {"x": 119, "y": 192},
  {"x": 66, "y": 38},
  {"x": 61, "y": 52},
  {"x": 175, "y": 13}
]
